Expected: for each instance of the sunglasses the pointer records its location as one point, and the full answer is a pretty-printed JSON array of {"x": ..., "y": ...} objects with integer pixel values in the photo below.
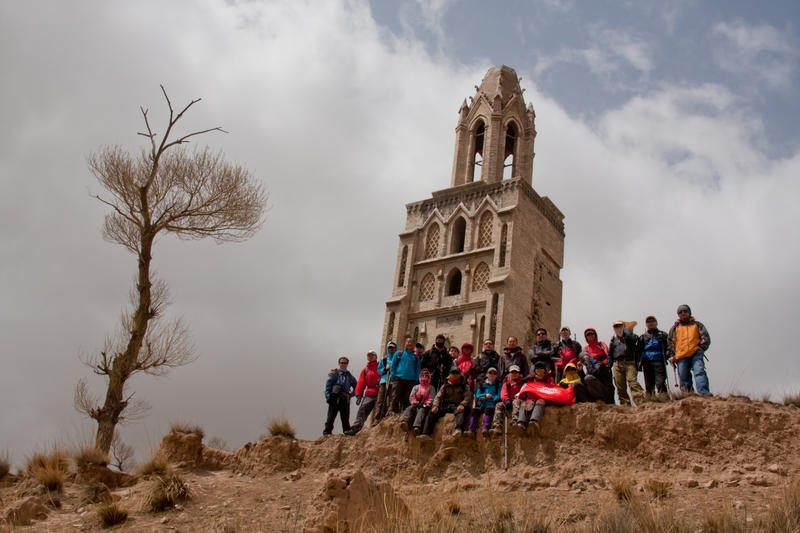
[
  {"x": 343, "y": 363},
  {"x": 541, "y": 334}
]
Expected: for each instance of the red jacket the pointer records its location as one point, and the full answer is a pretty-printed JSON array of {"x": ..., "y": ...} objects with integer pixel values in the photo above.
[
  {"x": 510, "y": 388},
  {"x": 368, "y": 379},
  {"x": 467, "y": 367}
]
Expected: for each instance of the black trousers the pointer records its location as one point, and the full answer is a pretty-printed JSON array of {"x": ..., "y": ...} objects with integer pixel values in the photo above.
[
  {"x": 462, "y": 418},
  {"x": 415, "y": 415},
  {"x": 401, "y": 392},
  {"x": 590, "y": 390},
  {"x": 655, "y": 376},
  {"x": 342, "y": 408},
  {"x": 366, "y": 407}
]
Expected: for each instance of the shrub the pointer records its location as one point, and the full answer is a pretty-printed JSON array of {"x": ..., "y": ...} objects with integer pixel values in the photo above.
[
  {"x": 658, "y": 489},
  {"x": 623, "y": 486},
  {"x": 156, "y": 465},
  {"x": 218, "y": 444},
  {"x": 280, "y": 426},
  {"x": 792, "y": 399},
  {"x": 179, "y": 426},
  {"x": 453, "y": 508},
  {"x": 784, "y": 511},
  {"x": 49, "y": 467},
  {"x": 165, "y": 492},
  {"x": 89, "y": 455},
  {"x": 111, "y": 514},
  {"x": 5, "y": 464},
  {"x": 51, "y": 476}
]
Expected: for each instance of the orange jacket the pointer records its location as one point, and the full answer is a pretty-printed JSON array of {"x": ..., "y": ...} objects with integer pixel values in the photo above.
[{"x": 685, "y": 338}]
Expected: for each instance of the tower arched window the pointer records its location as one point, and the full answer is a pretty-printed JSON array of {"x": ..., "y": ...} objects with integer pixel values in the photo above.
[
  {"x": 480, "y": 278},
  {"x": 454, "y": 282},
  {"x": 509, "y": 155},
  {"x": 503, "y": 245},
  {"x": 427, "y": 288},
  {"x": 476, "y": 157},
  {"x": 432, "y": 241},
  {"x": 485, "y": 230},
  {"x": 459, "y": 236},
  {"x": 401, "y": 279}
]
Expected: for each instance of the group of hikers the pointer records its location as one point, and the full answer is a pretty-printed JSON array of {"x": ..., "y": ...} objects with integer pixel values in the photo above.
[{"x": 483, "y": 389}]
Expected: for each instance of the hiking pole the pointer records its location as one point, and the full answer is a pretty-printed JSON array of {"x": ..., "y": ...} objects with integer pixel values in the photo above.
[{"x": 505, "y": 442}]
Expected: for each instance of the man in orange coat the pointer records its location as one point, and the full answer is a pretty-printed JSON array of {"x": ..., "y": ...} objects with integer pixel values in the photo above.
[{"x": 688, "y": 342}]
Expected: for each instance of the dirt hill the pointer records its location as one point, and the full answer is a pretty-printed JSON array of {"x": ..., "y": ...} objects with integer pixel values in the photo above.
[{"x": 689, "y": 460}]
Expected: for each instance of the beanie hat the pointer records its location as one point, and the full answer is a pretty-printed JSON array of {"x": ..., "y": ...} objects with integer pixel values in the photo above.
[
  {"x": 651, "y": 318},
  {"x": 684, "y": 307}
]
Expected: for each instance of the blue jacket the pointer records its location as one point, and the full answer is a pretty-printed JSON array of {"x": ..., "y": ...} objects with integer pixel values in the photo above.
[
  {"x": 653, "y": 345},
  {"x": 406, "y": 365},
  {"x": 488, "y": 388},
  {"x": 345, "y": 379},
  {"x": 385, "y": 362}
]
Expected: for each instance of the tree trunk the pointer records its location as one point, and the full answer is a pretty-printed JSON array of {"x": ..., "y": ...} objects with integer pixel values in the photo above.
[{"x": 126, "y": 363}]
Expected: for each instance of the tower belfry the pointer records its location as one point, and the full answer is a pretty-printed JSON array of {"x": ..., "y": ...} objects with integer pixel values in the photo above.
[{"x": 482, "y": 258}]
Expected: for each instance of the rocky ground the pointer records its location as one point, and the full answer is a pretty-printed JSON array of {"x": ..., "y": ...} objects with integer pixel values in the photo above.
[{"x": 693, "y": 458}]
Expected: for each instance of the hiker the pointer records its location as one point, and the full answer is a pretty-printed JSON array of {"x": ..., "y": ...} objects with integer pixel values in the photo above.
[
  {"x": 652, "y": 347},
  {"x": 544, "y": 351},
  {"x": 623, "y": 360},
  {"x": 485, "y": 400},
  {"x": 437, "y": 361},
  {"x": 366, "y": 392},
  {"x": 688, "y": 342},
  {"x": 597, "y": 383},
  {"x": 455, "y": 353},
  {"x": 595, "y": 348},
  {"x": 571, "y": 376},
  {"x": 466, "y": 365},
  {"x": 508, "y": 404},
  {"x": 568, "y": 349},
  {"x": 512, "y": 356},
  {"x": 384, "y": 370},
  {"x": 405, "y": 367},
  {"x": 338, "y": 390},
  {"x": 487, "y": 359},
  {"x": 454, "y": 397},
  {"x": 422, "y": 396},
  {"x": 531, "y": 409}
]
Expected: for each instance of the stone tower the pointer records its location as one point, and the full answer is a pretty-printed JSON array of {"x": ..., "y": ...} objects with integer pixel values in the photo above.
[{"x": 482, "y": 258}]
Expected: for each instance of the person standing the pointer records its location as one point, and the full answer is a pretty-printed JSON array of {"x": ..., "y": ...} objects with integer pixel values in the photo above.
[
  {"x": 438, "y": 362},
  {"x": 487, "y": 359},
  {"x": 596, "y": 349},
  {"x": 568, "y": 349},
  {"x": 512, "y": 356},
  {"x": 338, "y": 389},
  {"x": 624, "y": 364},
  {"x": 688, "y": 341},
  {"x": 366, "y": 392},
  {"x": 405, "y": 367},
  {"x": 384, "y": 368},
  {"x": 544, "y": 351},
  {"x": 652, "y": 347}
]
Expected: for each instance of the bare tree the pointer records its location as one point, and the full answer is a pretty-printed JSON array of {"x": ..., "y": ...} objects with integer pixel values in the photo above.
[
  {"x": 121, "y": 453},
  {"x": 166, "y": 189}
]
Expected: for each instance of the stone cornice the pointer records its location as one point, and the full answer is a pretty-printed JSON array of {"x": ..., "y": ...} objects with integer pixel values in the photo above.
[{"x": 439, "y": 311}]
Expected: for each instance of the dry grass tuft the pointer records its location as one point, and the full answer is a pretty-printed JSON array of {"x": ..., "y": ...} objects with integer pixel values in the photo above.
[
  {"x": 156, "y": 466},
  {"x": 792, "y": 398},
  {"x": 280, "y": 426},
  {"x": 453, "y": 508},
  {"x": 179, "y": 426},
  {"x": 111, "y": 514},
  {"x": 723, "y": 519},
  {"x": 218, "y": 444},
  {"x": 784, "y": 511},
  {"x": 766, "y": 397},
  {"x": 658, "y": 489},
  {"x": 49, "y": 467},
  {"x": 89, "y": 455},
  {"x": 5, "y": 464},
  {"x": 165, "y": 492},
  {"x": 623, "y": 486}
]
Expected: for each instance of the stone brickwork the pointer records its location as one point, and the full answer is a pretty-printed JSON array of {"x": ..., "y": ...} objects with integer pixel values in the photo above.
[{"x": 482, "y": 258}]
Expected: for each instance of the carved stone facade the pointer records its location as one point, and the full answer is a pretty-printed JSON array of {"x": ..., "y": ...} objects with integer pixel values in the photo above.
[{"x": 482, "y": 259}]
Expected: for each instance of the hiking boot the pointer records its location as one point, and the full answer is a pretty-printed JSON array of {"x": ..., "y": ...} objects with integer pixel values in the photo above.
[
  {"x": 326, "y": 434},
  {"x": 457, "y": 434},
  {"x": 521, "y": 426},
  {"x": 535, "y": 425},
  {"x": 485, "y": 433},
  {"x": 424, "y": 437},
  {"x": 417, "y": 431},
  {"x": 404, "y": 425},
  {"x": 470, "y": 434}
]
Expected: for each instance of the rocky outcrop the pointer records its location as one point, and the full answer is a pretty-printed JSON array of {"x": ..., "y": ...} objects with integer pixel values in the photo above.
[{"x": 25, "y": 512}]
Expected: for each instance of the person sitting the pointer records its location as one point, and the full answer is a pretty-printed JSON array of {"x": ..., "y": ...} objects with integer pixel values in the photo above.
[
  {"x": 571, "y": 375},
  {"x": 453, "y": 397},
  {"x": 508, "y": 404},
  {"x": 531, "y": 409},
  {"x": 422, "y": 396},
  {"x": 485, "y": 399},
  {"x": 366, "y": 392},
  {"x": 598, "y": 383}
]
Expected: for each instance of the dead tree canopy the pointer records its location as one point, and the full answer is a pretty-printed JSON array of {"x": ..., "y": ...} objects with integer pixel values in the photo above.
[{"x": 167, "y": 188}]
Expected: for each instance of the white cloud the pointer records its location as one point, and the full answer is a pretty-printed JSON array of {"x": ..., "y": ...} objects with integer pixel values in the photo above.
[{"x": 758, "y": 53}]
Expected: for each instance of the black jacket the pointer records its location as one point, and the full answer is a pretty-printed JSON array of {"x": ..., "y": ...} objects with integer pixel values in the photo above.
[
  {"x": 484, "y": 362},
  {"x": 623, "y": 348},
  {"x": 544, "y": 351},
  {"x": 603, "y": 374},
  {"x": 517, "y": 357},
  {"x": 438, "y": 364}
]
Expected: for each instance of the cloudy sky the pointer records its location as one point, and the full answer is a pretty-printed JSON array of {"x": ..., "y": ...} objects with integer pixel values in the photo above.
[{"x": 668, "y": 136}]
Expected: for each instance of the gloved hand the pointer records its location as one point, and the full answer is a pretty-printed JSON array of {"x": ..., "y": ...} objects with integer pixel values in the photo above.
[
  {"x": 358, "y": 400},
  {"x": 508, "y": 405}
]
